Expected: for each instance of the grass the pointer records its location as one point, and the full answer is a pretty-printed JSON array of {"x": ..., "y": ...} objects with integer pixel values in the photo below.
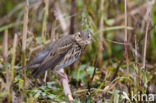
[{"x": 105, "y": 80}]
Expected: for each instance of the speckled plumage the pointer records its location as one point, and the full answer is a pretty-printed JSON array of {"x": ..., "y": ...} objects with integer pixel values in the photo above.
[{"x": 61, "y": 53}]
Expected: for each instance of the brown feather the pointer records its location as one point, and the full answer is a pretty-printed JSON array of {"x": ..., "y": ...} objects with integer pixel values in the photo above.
[{"x": 54, "y": 57}]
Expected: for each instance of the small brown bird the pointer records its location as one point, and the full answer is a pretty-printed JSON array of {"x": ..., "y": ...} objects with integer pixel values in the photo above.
[{"x": 60, "y": 53}]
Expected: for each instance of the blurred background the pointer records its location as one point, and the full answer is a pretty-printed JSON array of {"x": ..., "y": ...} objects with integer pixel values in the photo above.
[{"x": 120, "y": 62}]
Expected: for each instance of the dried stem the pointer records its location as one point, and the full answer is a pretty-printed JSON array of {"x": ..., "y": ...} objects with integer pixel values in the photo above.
[
  {"x": 100, "y": 56},
  {"x": 146, "y": 33},
  {"x": 5, "y": 55},
  {"x": 125, "y": 21},
  {"x": 25, "y": 29},
  {"x": 25, "y": 26},
  {"x": 53, "y": 28},
  {"x": 13, "y": 57},
  {"x": 126, "y": 36},
  {"x": 44, "y": 27},
  {"x": 5, "y": 51},
  {"x": 145, "y": 46},
  {"x": 24, "y": 38},
  {"x": 136, "y": 46},
  {"x": 44, "y": 24}
]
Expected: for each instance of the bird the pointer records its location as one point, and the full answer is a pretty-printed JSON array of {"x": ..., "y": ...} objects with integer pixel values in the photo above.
[{"x": 60, "y": 53}]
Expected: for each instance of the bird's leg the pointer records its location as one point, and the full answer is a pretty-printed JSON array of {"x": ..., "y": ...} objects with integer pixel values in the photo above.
[{"x": 63, "y": 75}]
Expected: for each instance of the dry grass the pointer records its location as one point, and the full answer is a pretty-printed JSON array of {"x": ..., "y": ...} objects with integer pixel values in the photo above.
[{"x": 124, "y": 42}]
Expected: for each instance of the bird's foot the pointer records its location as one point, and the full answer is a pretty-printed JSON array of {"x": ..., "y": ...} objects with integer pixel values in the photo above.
[{"x": 63, "y": 75}]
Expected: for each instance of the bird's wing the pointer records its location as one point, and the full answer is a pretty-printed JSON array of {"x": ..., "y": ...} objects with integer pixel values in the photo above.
[
  {"x": 40, "y": 56},
  {"x": 54, "y": 57},
  {"x": 49, "y": 47}
]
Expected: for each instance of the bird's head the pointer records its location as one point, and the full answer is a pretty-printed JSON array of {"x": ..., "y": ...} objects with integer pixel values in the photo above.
[{"x": 83, "y": 37}]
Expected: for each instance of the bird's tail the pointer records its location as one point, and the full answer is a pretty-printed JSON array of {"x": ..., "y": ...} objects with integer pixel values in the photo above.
[
  {"x": 29, "y": 64},
  {"x": 22, "y": 68}
]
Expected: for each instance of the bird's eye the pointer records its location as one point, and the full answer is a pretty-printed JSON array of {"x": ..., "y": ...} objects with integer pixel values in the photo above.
[{"x": 79, "y": 35}]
